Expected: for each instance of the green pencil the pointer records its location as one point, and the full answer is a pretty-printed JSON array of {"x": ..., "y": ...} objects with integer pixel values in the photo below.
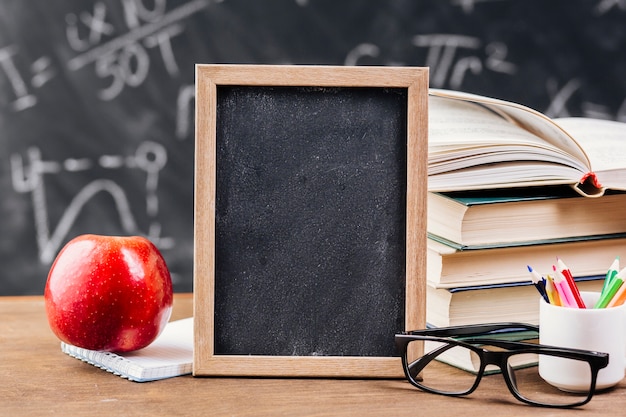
[
  {"x": 606, "y": 296},
  {"x": 610, "y": 274}
]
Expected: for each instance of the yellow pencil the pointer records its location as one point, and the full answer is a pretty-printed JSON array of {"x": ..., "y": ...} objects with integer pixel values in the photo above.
[{"x": 553, "y": 294}]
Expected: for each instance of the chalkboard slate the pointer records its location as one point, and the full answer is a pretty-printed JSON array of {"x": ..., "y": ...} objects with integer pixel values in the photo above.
[
  {"x": 309, "y": 238},
  {"x": 96, "y": 110},
  {"x": 311, "y": 199}
]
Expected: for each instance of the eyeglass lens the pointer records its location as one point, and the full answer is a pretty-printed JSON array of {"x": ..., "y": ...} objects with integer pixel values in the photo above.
[{"x": 521, "y": 368}]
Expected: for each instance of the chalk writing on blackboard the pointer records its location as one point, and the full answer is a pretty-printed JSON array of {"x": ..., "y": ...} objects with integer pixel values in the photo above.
[
  {"x": 41, "y": 71},
  {"x": 122, "y": 61},
  {"x": 28, "y": 177},
  {"x": 87, "y": 79},
  {"x": 604, "y": 6},
  {"x": 441, "y": 58},
  {"x": 446, "y": 59}
]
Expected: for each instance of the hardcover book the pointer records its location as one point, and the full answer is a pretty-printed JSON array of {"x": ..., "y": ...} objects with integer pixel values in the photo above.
[
  {"x": 451, "y": 266},
  {"x": 516, "y": 215},
  {"x": 515, "y": 302}
]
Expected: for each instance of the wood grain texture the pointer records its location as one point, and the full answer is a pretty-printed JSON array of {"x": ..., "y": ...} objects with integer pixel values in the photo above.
[{"x": 37, "y": 379}]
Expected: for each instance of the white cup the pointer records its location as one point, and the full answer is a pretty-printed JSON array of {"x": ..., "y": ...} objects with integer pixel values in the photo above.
[{"x": 601, "y": 330}]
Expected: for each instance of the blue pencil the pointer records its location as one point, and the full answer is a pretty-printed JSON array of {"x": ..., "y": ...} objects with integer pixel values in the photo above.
[{"x": 539, "y": 282}]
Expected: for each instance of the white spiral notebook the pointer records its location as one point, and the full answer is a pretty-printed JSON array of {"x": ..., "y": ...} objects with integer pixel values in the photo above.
[{"x": 170, "y": 355}]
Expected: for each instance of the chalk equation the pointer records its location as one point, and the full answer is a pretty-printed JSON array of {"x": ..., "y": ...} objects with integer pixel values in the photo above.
[
  {"x": 119, "y": 57},
  {"x": 452, "y": 57},
  {"x": 129, "y": 63},
  {"x": 28, "y": 176},
  {"x": 124, "y": 60}
]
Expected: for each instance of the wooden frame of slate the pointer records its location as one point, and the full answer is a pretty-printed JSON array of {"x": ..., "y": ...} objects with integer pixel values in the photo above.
[{"x": 310, "y": 218}]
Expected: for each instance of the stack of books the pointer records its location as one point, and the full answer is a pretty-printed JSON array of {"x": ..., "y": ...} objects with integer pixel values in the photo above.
[{"x": 510, "y": 187}]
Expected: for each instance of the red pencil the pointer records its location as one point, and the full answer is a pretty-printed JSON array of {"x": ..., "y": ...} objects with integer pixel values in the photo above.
[{"x": 570, "y": 282}]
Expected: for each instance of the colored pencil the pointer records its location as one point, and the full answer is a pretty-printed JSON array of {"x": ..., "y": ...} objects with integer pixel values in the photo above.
[
  {"x": 539, "y": 282},
  {"x": 607, "y": 296},
  {"x": 552, "y": 292},
  {"x": 619, "y": 297},
  {"x": 569, "y": 279},
  {"x": 564, "y": 290},
  {"x": 610, "y": 273}
]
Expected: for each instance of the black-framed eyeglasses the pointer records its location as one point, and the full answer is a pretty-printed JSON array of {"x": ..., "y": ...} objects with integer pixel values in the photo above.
[{"x": 487, "y": 347}]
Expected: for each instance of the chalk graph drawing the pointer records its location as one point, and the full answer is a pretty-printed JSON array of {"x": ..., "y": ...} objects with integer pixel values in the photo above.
[{"x": 150, "y": 157}]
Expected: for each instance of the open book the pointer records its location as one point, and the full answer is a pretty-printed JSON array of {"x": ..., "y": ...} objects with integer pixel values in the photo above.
[
  {"x": 477, "y": 142},
  {"x": 170, "y": 355}
]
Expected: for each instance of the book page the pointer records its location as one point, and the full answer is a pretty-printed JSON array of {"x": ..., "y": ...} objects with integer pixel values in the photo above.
[
  {"x": 173, "y": 347},
  {"x": 535, "y": 123},
  {"x": 171, "y": 354},
  {"x": 457, "y": 124},
  {"x": 464, "y": 134},
  {"x": 604, "y": 140}
]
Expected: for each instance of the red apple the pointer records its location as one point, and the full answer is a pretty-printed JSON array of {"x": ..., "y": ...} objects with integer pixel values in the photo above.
[{"x": 109, "y": 293}]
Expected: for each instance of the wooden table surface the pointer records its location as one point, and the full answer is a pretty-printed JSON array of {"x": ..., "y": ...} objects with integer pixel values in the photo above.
[{"x": 37, "y": 379}]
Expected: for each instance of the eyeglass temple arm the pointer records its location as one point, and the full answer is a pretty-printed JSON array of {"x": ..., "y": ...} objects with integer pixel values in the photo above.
[
  {"x": 515, "y": 345},
  {"x": 475, "y": 329},
  {"x": 416, "y": 366},
  {"x": 599, "y": 359}
]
